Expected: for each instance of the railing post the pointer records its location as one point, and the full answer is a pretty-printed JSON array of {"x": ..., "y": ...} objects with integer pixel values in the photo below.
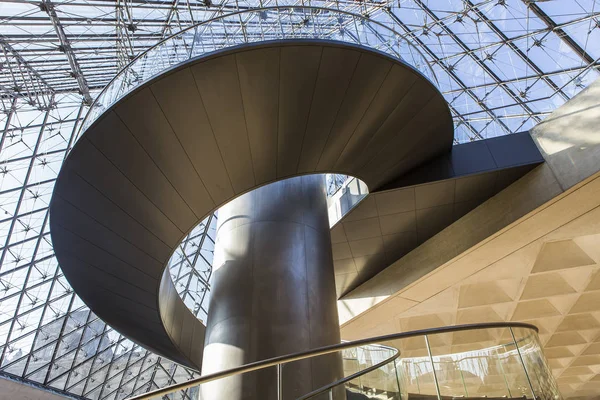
[
  {"x": 437, "y": 386},
  {"x": 522, "y": 362},
  {"x": 279, "y": 382},
  {"x": 331, "y": 394}
]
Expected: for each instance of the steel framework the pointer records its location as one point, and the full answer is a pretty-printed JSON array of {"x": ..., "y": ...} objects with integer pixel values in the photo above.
[{"x": 502, "y": 65}]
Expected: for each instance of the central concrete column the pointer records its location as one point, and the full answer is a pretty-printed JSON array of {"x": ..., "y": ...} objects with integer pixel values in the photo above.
[{"x": 273, "y": 291}]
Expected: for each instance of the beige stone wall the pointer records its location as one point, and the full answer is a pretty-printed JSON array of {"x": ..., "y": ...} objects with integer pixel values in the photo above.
[
  {"x": 12, "y": 390},
  {"x": 569, "y": 140},
  {"x": 531, "y": 253}
]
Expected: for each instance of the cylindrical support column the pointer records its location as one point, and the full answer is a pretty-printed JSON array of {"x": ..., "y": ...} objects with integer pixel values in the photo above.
[{"x": 273, "y": 291}]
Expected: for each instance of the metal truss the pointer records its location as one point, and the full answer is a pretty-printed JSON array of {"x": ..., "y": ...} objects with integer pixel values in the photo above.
[
  {"x": 47, "y": 335},
  {"x": 502, "y": 65},
  {"x": 65, "y": 47},
  {"x": 23, "y": 82},
  {"x": 500, "y": 102}
]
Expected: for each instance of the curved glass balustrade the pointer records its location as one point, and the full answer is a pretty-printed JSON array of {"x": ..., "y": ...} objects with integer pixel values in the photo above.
[
  {"x": 493, "y": 361},
  {"x": 252, "y": 26}
]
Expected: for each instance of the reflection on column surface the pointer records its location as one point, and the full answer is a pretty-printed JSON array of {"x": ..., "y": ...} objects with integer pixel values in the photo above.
[{"x": 273, "y": 292}]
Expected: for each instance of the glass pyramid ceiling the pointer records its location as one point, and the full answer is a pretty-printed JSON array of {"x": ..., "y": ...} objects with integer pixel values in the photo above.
[{"x": 503, "y": 65}]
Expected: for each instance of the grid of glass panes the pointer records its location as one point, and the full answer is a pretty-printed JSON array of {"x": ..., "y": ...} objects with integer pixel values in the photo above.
[{"x": 502, "y": 65}]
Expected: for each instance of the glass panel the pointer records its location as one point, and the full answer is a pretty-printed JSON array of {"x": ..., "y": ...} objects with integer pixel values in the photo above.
[
  {"x": 356, "y": 361},
  {"x": 346, "y": 196},
  {"x": 541, "y": 378},
  {"x": 512, "y": 370},
  {"x": 38, "y": 84},
  {"x": 414, "y": 367},
  {"x": 474, "y": 363},
  {"x": 351, "y": 364},
  {"x": 236, "y": 386},
  {"x": 381, "y": 382},
  {"x": 266, "y": 24}
]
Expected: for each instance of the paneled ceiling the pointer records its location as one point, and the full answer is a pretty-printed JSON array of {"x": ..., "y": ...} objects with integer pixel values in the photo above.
[{"x": 544, "y": 269}]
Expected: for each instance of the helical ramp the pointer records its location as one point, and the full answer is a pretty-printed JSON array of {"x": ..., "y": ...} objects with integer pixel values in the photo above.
[{"x": 191, "y": 124}]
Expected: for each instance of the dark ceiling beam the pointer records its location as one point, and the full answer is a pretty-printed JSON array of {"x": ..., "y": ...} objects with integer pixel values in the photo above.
[
  {"x": 125, "y": 31},
  {"x": 65, "y": 47},
  {"x": 456, "y": 78},
  {"x": 451, "y": 73},
  {"x": 84, "y": 37},
  {"x": 170, "y": 15},
  {"x": 23, "y": 21},
  {"x": 564, "y": 36},
  {"x": 74, "y": 89},
  {"x": 529, "y": 34},
  {"x": 9, "y": 52},
  {"x": 523, "y": 78},
  {"x": 25, "y": 81},
  {"x": 508, "y": 42},
  {"x": 477, "y": 60}
]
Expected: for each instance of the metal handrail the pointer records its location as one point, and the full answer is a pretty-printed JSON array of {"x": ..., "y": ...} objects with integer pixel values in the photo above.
[
  {"x": 83, "y": 126},
  {"x": 280, "y": 360}
]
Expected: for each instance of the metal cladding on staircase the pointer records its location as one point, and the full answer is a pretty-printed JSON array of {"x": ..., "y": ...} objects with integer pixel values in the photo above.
[
  {"x": 178, "y": 147},
  {"x": 273, "y": 291}
]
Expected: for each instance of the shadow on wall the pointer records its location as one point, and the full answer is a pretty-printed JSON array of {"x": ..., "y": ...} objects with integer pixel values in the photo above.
[
  {"x": 569, "y": 142},
  {"x": 569, "y": 138}
]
